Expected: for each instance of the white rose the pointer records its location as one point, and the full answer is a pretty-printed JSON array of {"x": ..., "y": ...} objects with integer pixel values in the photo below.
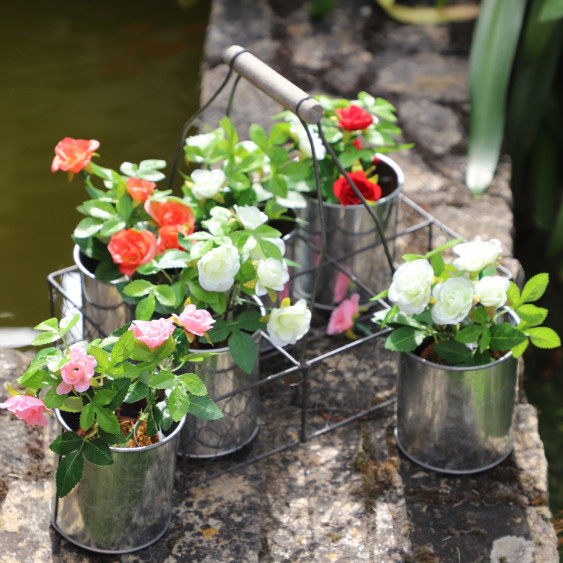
[
  {"x": 293, "y": 200},
  {"x": 454, "y": 299},
  {"x": 272, "y": 274},
  {"x": 476, "y": 255},
  {"x": 250, "y": 216},
  {"x": 204, "y": 140},
  {"x": 207, "y": 183},
  {"x": 218, "y": 268},
  {"x": 411, "y": 285},
  {"x": 218, "y": 222},
  {"x": 491, "y": 291},
  {"x": 303, "y": 143},
  {"x": 288, "y": 324}
]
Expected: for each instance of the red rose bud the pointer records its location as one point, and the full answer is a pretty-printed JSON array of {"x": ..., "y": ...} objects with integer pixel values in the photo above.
[
  {"x": 139, "y": 189},
  {"x": 346, "y": 194},
  {"x": 354, "y": 118}
]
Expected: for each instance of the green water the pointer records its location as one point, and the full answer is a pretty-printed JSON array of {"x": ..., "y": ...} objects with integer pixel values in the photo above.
[{"x": 124, "y": 72}]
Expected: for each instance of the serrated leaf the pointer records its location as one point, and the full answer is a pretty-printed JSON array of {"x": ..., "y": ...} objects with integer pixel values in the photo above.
[
  {"x": 530, "y": 315},
  {"x": 505, "y": 336},
  {"x": 88, "y": 227},
  {"x": 38, "y": 379},
  {"x": 66, "y": 442},
  {"x": 120, "y": 387},
  {"x": 178, "y": 404},
  {"x": 123, "y": 348},
  {"x": 97, "y": 452},
  {"x": 203, "y": 407},
  {"x": 138, "y": 288},
  {"x": 165, "y": 295},
  {"x": 69, "y": 472},
  {"x": 535, "y": 287},
  {"x": 193, "y": 384},
  {"x": 45, "y": 338},
  {"x": 67, "y": 323},
  {"x": 519, "y": 349},
  {"x": 103, "y": 397},
  {"x": 107, "y": 420},
  {"x": 454, "y": 352},
  {"x": 52, "y": 399},
  {"x": 101, "y": 356},
  {"x": 513, "y": 294},
  {"x": 244, "y": 350},
  {"x": 163, "y": 380},
  {"x": 145, "y": 308},
  {"x": 404, "y": 339},
  {"x": 87, "y": 417},
  {"x": 544, "y": 337},
  {"x": 136, "y": 392},
  {"x": 469, "y": 334}
]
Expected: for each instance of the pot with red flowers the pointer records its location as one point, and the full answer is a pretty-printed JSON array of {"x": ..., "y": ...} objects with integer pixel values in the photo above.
[{"x": 356, "y": 133}]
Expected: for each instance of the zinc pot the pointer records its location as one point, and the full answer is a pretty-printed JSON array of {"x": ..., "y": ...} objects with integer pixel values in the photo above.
[
  {"x": 455, "y": 420},
  {"x": 239, "y": 425},
  {"x": 103, "y": 307},
  {"x": 353, "y": 243},
  {"x": 122, "y": 507}
]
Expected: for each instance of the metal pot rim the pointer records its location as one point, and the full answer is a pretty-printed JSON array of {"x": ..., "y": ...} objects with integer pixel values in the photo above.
[{"x": 167, "y": 437}]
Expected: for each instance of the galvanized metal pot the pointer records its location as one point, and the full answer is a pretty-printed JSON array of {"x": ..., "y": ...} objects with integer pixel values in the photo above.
[
  {"x": 239, "y": 425},
  {"x": 453, "y": 419},
  {"x": 122, "y": 507},
  {"x": 353, "y": 244},
  {"x": 103, "y": 307}
]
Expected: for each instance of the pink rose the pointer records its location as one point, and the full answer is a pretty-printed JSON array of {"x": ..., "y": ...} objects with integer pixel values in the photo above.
[
  {"x": 153, "y": 333},
  {"x": 340, "y": 287},
  {"x": 73, "y": 155},
  {"x": 78, "y": 371},
  {"x": 195, "y": 321},
  {"x": 30, "y": 409},
  {"x": 342, "y": 318},
  {"x": 131, "y": 248}
]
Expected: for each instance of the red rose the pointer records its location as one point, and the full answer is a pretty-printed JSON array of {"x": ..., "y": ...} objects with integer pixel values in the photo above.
[
  {"x": 131, "y": 248},
  {"x": 73, "y": 155},
  {"x": 170, "y": 213},
  {"x": 357, "y": 142},
  {"x": 139, "y": 189},
  {"x": 353, "y": 118},
  {"x": 168, "y": 236},
  {"x": 346, "y": 194}
]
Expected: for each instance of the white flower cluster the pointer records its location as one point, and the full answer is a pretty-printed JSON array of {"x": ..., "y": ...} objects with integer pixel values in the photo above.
[{"x": 411, "y": 288}]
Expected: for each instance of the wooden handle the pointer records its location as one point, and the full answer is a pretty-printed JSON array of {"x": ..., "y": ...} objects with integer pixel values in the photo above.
[{"x": 273, "y": 84}]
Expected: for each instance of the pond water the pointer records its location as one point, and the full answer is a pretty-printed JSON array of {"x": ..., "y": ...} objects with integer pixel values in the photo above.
[{"x": 123, "y": 72}]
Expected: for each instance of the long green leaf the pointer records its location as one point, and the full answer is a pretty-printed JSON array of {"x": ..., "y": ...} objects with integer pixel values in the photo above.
[
  {"x": 492, "y": 54},
  {"x": 69, "y": 472}
]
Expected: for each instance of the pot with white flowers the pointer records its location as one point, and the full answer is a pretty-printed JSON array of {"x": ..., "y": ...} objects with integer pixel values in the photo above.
[
  {"x": 357, "y": 133},
  {"x": 121, "y": 403},
  {"x": 224, "y": 270},
  {"x": 459, "y": 329}
]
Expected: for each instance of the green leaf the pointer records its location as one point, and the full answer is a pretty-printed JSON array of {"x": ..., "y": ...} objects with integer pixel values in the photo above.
[
  {"x": 88, "y": 227},
  {"x": 492, "y": 53},
  {"x": 454, "y": 352},
  {"x": 165, "y": 295},
  {"x": 178, "y": 404},
  {"x": 67, "y": 323},
  {"x": 136, "y": 392},
  {"x": 469, "y": 334},
  {"x": 66, "y": 443},
  {"x": 99, "y": 209},
  {"x": 87, "y": 417},
  {"x": 38, "y": 379},
  {"x": 485, "y": 341},
  {"x": 244, "y": 350},
  {"x": 535, "y": 287},
  {"x": 519, "y": 349},
  {"x": 69, "y": 472},
  {"x": 544, "y": 337},
  {"x": 45, "y": 338},
  {"x": 404, "y": 339},
  {"x": 52, "y": 399},
  {"x": 193, "y": 384},
  {"x": 97, "y": 452},
  {"x": 163, "y": 380},
  {"x": 513, "y": 295},
  {"x": 103, "y": 397},
  {"x": 123, "y": 347},
  {"x": 145, "y": 308},
  {"x": 138, "y": 288},
  {"x": 120, "y": 388},
  {"x": 551, "y": 10},
  {"x": 203, "y": 407},
  {"x": 107, "y": 420},
  {"x": 505, "y": 336},
  {"x": 437, "y": 264},
  {"x": 530, "y": 315},
  {"x": 101, "y": 356}
]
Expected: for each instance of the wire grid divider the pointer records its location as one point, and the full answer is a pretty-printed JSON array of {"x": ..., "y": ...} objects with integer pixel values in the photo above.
[{"x": 324, "y": 382}]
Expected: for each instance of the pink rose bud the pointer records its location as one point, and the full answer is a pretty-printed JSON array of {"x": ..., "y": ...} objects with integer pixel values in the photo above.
[
  {"x": 342, "y": 318},
  {"x": 153, "y": 333},
  {"x": 195, "y": 321},
  {"x": 78, "y": 371},
  {"x": 30, "y": 409}
]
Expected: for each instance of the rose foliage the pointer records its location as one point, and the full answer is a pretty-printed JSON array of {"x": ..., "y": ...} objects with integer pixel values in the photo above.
[
  {"x": 95, "y": 379},
  {"x": 464, "y": 307}
]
